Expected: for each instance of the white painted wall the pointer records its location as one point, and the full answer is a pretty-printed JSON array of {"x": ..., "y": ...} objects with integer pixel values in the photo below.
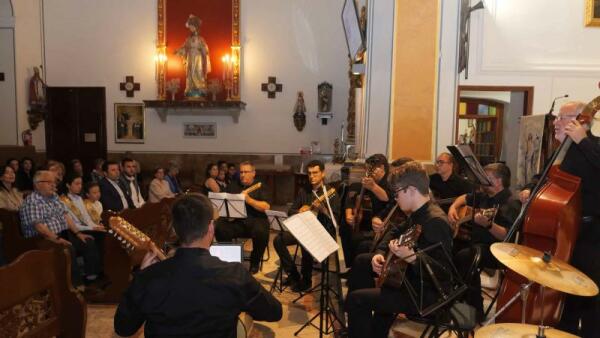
[
  {"x": 301, "y": 42},
  {"x": 8, "y": 107}
]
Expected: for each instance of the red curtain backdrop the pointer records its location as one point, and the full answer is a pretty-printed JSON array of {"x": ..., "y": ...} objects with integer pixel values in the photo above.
[{"x": 215, "y": 29}]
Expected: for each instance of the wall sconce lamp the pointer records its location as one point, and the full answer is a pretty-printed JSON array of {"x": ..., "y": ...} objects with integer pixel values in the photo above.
[{"x": 160, "y": 66}]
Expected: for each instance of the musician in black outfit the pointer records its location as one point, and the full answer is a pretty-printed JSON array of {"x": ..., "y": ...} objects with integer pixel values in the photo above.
[
  {"x": 371, "y": 310},
  {"x": 445, "y": 183},
  {"x": 306, "y": 196},
  {"x": 376, "y": 190},
  {"x": 256, "y": 225},
  {"x": 485, "y": 230},
  {"x": 582, "y": 160},
  {"x": 192, "y": 294}
]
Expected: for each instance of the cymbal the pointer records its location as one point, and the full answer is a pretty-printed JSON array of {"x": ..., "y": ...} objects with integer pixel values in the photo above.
[
  {"x": 510, "y": 330},
  {"x": 556, "y": 274}
]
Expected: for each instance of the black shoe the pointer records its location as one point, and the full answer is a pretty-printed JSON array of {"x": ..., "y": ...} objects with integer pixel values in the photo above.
[
  {"x": 254, "y": 269},
  {"x": 291, "y": 280},
  {"x": 302, "y": 285},
  {"x": 346, "y": 274}
]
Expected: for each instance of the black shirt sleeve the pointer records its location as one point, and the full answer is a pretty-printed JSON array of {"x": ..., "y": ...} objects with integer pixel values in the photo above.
[
  {"x": 128, "y": 318},
  {"x": 259, "y": 303}
]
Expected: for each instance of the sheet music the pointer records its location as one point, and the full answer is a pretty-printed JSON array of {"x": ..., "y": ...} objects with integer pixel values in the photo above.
[
  {"x": 273, "y": 215},
  {"x": 311, "y": 234},
  {"x": 236, "y": 204}
]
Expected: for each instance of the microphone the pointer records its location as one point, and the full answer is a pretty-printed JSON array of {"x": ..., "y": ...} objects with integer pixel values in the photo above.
[{"x": 554, "y": 102}]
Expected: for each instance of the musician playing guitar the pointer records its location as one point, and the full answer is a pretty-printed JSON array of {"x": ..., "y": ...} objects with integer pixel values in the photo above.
[
  {"x": 371, "y": 310},
  {"x": 192, "y": 294},
  {"x": 485, "y": 231},
  {"x": 256, "y": 225},
  {"x": 445, "y": 183},
  {"x": 375, "y": 189},
  {"x": 307, "y": 200}
]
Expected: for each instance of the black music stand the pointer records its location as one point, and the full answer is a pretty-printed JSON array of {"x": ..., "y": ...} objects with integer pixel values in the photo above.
[
  {"x": 231, "y": 210},
  {"x": 468, "y": 160},
  {"x": 277, "y": 222}
]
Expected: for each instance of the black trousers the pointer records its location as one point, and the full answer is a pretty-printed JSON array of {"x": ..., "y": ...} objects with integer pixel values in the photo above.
[
  {"x": 88, "y": 250},
  {"x": 280, "y": 243},
  {"x": 463, "y": 260},
  {"x": 586, "y": 257},
  {"x": 371, "y": 310},
  {"x": 255, "y": 228}
]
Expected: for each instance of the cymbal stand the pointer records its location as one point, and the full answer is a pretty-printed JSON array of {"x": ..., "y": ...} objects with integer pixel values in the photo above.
[
  {"x": 523, "y": 293},
  {"x": 541, "y": 327}
]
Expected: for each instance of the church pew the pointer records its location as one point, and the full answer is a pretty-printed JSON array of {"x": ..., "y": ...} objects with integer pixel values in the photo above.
[
  {"x": 14, "y": 243},
  {"x": 40, "y": 301},
  {"x": 154, "y": 219}
]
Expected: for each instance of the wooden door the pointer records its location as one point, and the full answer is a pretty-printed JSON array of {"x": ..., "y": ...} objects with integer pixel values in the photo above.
[{"x": 76, "y": 124}]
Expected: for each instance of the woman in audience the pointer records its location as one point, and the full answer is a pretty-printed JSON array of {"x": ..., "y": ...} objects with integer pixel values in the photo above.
[
  {"x": 76, "y": 167},
  {"x": 25, "y": 174},
  {"x": 10, "y": 197},
  {"x": 211, "y": 184},
  {"x": 97, "y": 173},
  {"x": 76, "y": 206},
  {"x": 172, "y": 178},
  {"x": 92, "y": 201},
  {"x": 223, "y": 166},
  {"x": 222, "y": 180},
  {"x": 14, "y": 163},
  {"x": 159, "y": 187}
]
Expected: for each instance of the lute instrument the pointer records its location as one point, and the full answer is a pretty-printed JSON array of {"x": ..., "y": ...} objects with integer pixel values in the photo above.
[
  {"x": 252, "y": 188},
  {"x": 394, "y": 268},
  {"x": 361, "y": 203},
  {"x": 462, "y": 229},
  {"x": 131, "y": 238},
  {"x": 394, "y": 217}
]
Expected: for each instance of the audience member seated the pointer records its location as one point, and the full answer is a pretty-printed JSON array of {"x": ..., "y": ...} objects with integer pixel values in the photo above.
[
  {"x": 256, "y": 225},
  {"x": 10, "y": 197},
  {"x": 210, "y": 183},
  {"x": 192, "y": 294},
  {"x": 59, "y": 170},
  {"x": 92, "y": 202},
  {"x": 76, "y": 167},
  {"x": 97, "y": 173},
  {"x": 129, "y": 181},
  {"x": 223, "y": 166},
  {"x": 159, "y": 187},
  {"x": 222, "y": 180},
  {"x": 232, "y": 173},
  {"x": 13, "y": 163},
  {"x": 42, "y": 214},
  {"x": 112, "y": 195},
  {"x": 25, "y": 174},
  {"x": 171, "y": 178}
]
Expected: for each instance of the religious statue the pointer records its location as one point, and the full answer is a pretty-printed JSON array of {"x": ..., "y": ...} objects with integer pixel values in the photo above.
[
  {"x": 299, "y": 110},
  {"x": 195, "y": 60},
  {"x": 37, "y": 99},
  {"x": 324, "y": 92}
]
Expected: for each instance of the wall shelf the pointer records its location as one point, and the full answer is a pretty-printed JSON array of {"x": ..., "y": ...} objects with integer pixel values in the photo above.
[{"x": 165, "y": 108}]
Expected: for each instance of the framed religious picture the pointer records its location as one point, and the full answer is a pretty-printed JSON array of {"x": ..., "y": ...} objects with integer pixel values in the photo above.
[
  {"x": 200, "y": 130},
  {"x": 129, "y": 123},
  {"x": 592, "y": 13},
  {"x": 200, "y": 42}
]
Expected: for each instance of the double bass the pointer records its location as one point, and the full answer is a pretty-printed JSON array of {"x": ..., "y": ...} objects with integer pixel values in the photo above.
[{"x": 550, "y": 223}]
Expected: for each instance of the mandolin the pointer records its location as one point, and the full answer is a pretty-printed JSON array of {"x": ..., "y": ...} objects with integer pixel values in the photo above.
[
  {"x": 131, "y": 238},
  {"x": 252, "y": 188},
  {"x": 394, "y": 268},
  {"x": 316, "y": 205}
]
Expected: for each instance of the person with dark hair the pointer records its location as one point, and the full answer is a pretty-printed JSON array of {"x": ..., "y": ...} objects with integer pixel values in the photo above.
[
  {"x": 76, "y": 167},
  {"x": 171, "y": 174},
  {"x": 159, "y": 187},
  {"x": 445, "y": 184},
  {"x": 97, "y": 174},
  {"x": 485, "y": 230},
  {"x": 13, "y": 163},
  {"x": 232, "y": 173},
  {"x": 129, "y": 181},
  {"x": 303, "y": 202},
  {"x": 376, "y": 193},
  {"x": 25, "y": 174},
  {"x": 10, "y": 197},
  {"x": 192, "y": 294},
  {"x": 210, "y": 182},
  {"x": 112, "y": 193},
  {"x": 372, "y": 310},
  {"x": 92, "y": 201},
  {"x": 256, "y": 224}
]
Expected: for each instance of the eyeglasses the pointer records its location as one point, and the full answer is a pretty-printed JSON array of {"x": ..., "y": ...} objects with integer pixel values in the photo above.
[
  {"x": 246, "y": 171},
  {"x": 439, "y": 162},
  {"x": 398, "y": 191},
  {"x": 566, "y": 117},
  {"x": 49, "y": 182}
]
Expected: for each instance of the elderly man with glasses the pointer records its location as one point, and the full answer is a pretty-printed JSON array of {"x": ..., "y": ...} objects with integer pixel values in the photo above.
[{"x": 43, "y": 214}]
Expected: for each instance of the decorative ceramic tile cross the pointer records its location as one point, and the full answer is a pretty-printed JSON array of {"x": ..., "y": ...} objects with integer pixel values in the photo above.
[
  {"x": 129, "y": 86},
  {"x": 271, "y": 87}
]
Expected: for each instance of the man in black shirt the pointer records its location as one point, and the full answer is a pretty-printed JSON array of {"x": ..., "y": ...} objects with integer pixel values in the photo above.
[
  {"x": 485, "y": 229},
  {"x": 304, "y": 202},
  {"x": 375, "y": 193},
  {"x": 192, "y": 294},
  {"x": 445, "y": 184},
  {"x": 371, "y": 310},
  {"x": 256, "y": 225}
]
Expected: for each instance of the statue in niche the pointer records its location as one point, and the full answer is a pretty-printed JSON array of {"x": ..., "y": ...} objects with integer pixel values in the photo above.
[
  {"x": 325, "y": 90},
  {"x": 37, "y": 99},
  {"x": 195, "y": 60},
  {"x": 299, "y": 112}
]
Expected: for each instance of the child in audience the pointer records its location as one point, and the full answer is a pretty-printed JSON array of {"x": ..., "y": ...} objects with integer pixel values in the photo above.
[{"x": 92, "y": 201}]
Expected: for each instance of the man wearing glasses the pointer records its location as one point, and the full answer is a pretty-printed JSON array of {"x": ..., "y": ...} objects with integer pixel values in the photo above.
[
  {"x": 43, "y": 214},
  {"x": 256, "y": 225},
  {"x": 445, "y": 183}
]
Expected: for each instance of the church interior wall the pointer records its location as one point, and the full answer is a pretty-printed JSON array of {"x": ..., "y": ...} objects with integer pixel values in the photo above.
[{"x": 7, "y": 82}]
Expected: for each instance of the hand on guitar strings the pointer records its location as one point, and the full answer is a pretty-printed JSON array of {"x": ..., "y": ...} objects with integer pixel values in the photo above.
[
  {"x": 368, "y": 183},
  {"x": 377, "y": 263},
  {"x": 377, "y": 224},
  {"x": 402, "y": 251},
  {"x": 453, "y": 215},
  {"x": 150, "y": 258}
]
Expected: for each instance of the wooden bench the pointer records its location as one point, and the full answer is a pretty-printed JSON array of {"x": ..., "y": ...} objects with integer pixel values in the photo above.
[
  {"x": 14, "y": 243},
  {"x": 37, "y": 298},
  {"x": 154, "y": 219}
]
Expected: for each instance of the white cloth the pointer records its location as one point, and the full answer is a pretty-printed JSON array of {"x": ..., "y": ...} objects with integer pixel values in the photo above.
[{"x": 136, "y": 196}]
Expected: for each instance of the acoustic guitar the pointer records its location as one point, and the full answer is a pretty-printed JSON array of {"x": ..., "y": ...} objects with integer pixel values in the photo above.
[
  {"x": 394, "y": 268},
  {"x": 317, "y": 205},
  {"x": 462, "y": 229}
]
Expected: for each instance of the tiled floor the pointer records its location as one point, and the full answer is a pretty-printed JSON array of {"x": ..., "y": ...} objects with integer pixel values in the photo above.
[{"x": 100, "y": 317}]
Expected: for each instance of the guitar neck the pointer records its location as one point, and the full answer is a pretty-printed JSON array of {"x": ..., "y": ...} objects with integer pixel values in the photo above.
[{"x": 252, "y": 188}]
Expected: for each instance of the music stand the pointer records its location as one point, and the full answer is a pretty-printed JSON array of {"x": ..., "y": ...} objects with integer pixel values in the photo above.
[
  {"x": 229, "y": 205},
  {"x": 276, "y": 219},
  {"x": 465, "y": 156}
]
